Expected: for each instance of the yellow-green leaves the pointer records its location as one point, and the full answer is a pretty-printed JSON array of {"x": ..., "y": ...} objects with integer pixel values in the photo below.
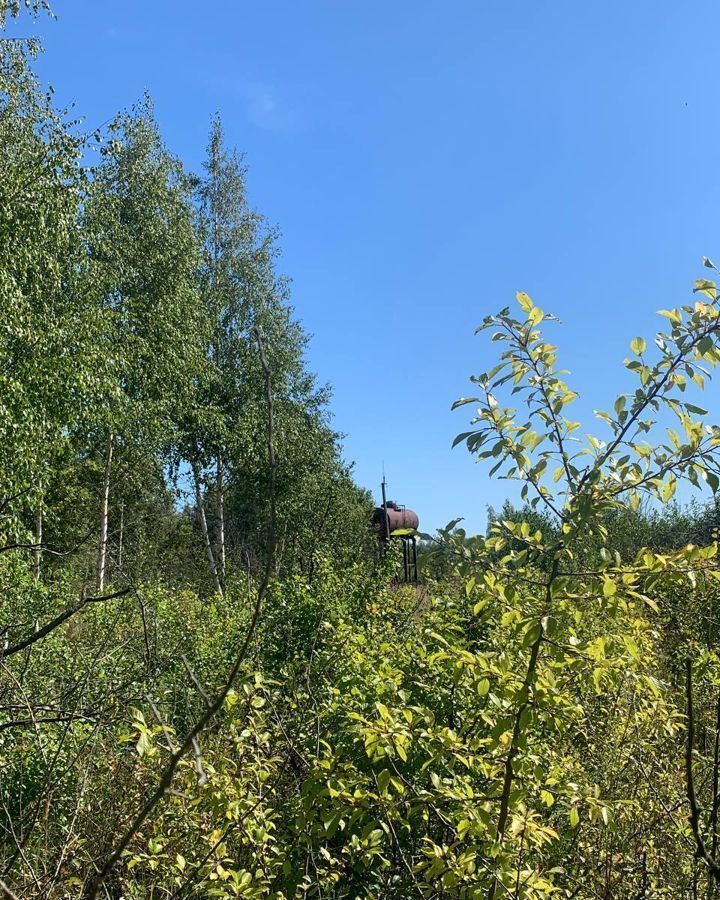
[
  {"x": 533, "y": 634},
  {"x": 668, "y": 489},
  {"x": 609, "y": 587},
  {"x": 673, "y": 315},
  {"x": 703, "y": 286},
  {"x": 638, "y": 346},
  {"x": 525, "y": 302},
  {"x": 535, "y": 316}
]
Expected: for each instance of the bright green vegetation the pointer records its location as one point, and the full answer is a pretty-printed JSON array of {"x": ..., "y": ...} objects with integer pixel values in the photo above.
[{"x": 209, "y": 684}]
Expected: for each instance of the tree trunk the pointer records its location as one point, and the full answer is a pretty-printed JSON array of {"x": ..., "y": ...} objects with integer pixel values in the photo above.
[
  {"x": 200, "y": 504},
  {"x": 120, "y": 542},
  {"x": 220, "y": 536},
  {"x": 38, "y": 542},
  {"x": 104, "y": 504},
  {"x": 221, "y": 518}
]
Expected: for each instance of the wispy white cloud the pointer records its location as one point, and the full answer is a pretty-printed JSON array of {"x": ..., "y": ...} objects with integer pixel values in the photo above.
[
  {"x": 120, "y": 33},
  {"x": 265, "y": 108},
  {"x": 264, "y": 105}
]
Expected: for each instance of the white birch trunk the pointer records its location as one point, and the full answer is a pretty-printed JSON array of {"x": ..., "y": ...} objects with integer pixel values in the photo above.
[
  {"x": 38, "y": 542},
  {"x": 200, "y": 504},
  {"x": 104, "y": 506},
  {"x": 221, "y": 517}
]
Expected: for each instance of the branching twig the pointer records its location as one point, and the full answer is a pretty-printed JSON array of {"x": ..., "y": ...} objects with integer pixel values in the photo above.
[
  {"x": 701, "y": 848},
  {"x": 6, "y": 892},
  {"x": 195, "y": 680},
  {"x": 58, "y": 620}
]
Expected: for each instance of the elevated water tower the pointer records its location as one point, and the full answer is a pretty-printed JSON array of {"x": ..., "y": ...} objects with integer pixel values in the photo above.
[{"x": 392, "y": 521}]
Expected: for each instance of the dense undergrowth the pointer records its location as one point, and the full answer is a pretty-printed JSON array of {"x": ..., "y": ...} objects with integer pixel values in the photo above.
[{"x": 362, "y": 749}]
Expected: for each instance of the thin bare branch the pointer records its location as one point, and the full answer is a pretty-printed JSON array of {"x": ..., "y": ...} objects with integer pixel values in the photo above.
[
  {"x": 701, "y": 847},
  {"x": 58, "y": 620},
  {"x": 6, "y": 892}
]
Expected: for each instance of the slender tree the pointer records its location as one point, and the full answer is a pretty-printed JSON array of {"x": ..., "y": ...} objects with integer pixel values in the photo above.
[
  {"x": 49, "y": 368},
  {"x": 144, "y": 258},
  {"x": 242, "y": 291}
]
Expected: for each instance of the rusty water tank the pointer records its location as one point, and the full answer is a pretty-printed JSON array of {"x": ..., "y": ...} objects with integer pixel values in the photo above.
[{"x": 399, "y": 518}]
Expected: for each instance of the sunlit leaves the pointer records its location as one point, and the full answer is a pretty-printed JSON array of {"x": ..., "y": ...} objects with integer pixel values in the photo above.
[
  {"x": 546, "y": 444},
  {"x": 703, "y": 286},
  {"x": 524, "y": 301}
]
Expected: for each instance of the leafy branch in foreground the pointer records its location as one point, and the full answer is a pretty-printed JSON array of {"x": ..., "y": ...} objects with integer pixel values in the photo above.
[
  {"x": 595, "y": 469},
  {"x": 580, "y": 481}
]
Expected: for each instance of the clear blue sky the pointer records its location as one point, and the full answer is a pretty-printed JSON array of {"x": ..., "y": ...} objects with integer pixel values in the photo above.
[{"x": 424, "y": 161}]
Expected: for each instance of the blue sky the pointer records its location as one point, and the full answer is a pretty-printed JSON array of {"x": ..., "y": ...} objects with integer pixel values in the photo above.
[{"x": 424, "y": 161}]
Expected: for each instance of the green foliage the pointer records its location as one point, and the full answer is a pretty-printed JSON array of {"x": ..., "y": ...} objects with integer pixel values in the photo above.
[
  {"x": 143, "y": 260},
  {"x": 48, "y": 359},
  {"x": 518, "y": 726},
  {"x": 319, "y": 509}
]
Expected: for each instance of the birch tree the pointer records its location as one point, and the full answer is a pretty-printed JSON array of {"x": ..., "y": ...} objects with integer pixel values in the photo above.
[{"x": 144, "y": 258}]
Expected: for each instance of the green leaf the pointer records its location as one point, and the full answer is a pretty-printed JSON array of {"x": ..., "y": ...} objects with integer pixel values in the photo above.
[
  {"x": 532, "y": 634},
  {"x": 535, "y": 316},
  {"x": 609, "y": 587},
  {"x": 668, "y": 489},
  {"x": 463, "y": 401},
  {"x": 383, "y": 780},
  {"x": 525, "y": 302},
  {"x": 637, "y": 345},
  {"x": 331, "y": 823},
  {"x": 463, "y": 437},
  {"x": 703, "y": 286}
]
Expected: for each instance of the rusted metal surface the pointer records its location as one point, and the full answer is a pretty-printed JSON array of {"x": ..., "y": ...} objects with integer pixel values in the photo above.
[
  {"x": 390, "y": 518},
  {"x": 392, "y": 521}
]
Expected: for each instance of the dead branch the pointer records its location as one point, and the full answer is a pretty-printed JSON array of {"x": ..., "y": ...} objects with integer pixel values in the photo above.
[{"x": 58, "y": 620}]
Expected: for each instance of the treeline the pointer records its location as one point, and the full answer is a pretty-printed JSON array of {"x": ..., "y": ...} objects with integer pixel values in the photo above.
[
  {"x": 135, "y": 296},
  {"x": 659, "y": 529}
]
